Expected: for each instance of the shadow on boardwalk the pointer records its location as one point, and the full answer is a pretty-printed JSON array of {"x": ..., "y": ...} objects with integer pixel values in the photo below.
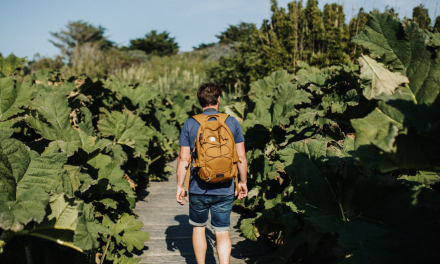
[
  {"x": 171, "y": 234},
  {"x": 181, "y": 245}
]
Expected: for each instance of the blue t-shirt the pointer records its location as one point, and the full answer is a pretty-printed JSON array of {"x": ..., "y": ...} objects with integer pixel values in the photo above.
[{"x": 187, "y": 139}]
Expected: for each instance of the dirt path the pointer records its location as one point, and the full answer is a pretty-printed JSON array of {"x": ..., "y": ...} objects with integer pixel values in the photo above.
[{"x": 170, "y": 232}]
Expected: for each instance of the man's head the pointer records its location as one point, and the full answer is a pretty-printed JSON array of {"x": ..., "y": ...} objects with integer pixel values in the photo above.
[{"x": 208, "y": 94}]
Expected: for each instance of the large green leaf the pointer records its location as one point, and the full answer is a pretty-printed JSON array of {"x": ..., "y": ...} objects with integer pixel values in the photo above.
[
  {"x": 88, "y": 229},
  {"x": 64, "y": 212},
  {"x": 404, "y": 46},
  {"x": 7, "y": 180},
  {"x": 87, "y": 233},
  {"x": 406, "y": 138},
  {"x": 110, "y": 174},
  {"x": 18, "y": 157},
  {"x": 46, "y": 90},
  {"x": 378, "y": 218},
  {"x": 18, "y": 208},
  {"x": 87, "y": 125},
  {"x": 29, "y": 206},
  {"x": 403, "y": 131},
  {"x": 286, "y": 98},
  {"x": 266, "y": 86},
  {"x": 42, "y": 76},
  {"x": 60, "y": 225},
  {"x": 425, "y": 177},
  {"x": 10, "y": 65},
  {"x": 236, "y": 110},
  {"x": 140, "y": 96},
  {"x": 47, "y": 172},
  {"x": 181, "y": 105},
  {"x": 55, "y": 109},
  {"x": 80, "y": 181},
  {"x": 275, "y": 98},
  {"x": 303, "y": 161},
  {"x": 129, "y": 129},
  {"x": 377, "y": 79},
  {"x": 88, "y": 144},
  {"x": 135, "y": 239},
  {"x": 12, "y": 95},
  {"x": 396, "y": 221},
  {"x": 129, "y": 228},
  {"x": 168, "y": 130}
]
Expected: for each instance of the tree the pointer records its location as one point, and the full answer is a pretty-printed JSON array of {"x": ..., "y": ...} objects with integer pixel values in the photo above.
[
  {"x": 77, "y": 34},
  {"x": 421, "y": 16},
  {"x": 233, "y": 34},
  {"x": 205, "y": 46},
  {"x": 156, "y": 44},
  {"x": 240, "y": 32},
  {"x": 315, "y": 26},
  {"x": 437, "y": 23},
  {"x": 391, "y": 11},
  {"x": 356, "y": 25}
]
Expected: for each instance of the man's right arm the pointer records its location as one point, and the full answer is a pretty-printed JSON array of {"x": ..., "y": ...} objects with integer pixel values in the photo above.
[
  {"x": 182, "y": 167},
  {"x": 242, "y": 168}
]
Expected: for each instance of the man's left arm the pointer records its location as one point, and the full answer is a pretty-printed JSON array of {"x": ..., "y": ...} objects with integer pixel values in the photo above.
[{"x": 182, "y": 167}]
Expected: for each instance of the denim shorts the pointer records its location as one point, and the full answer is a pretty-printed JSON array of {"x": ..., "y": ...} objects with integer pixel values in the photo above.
[{"x": 220, "y": 206}]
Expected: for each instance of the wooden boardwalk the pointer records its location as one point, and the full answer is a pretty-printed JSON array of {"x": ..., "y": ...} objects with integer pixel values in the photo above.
[{"x": 170, "y": 233}]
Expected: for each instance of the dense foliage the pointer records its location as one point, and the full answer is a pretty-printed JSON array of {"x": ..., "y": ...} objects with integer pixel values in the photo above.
[
  {"x": 156, "y": 44},
  {"x": 320, "y": 38},
  {"x": 300, "y": 33},
  {"x": 71, "y": 153},
  {"x": 343, "y": 144},
  {"x": 343, "y": 161}
]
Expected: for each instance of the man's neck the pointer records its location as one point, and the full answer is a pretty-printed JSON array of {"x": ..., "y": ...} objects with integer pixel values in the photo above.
[{"x": 210, "y": 106}]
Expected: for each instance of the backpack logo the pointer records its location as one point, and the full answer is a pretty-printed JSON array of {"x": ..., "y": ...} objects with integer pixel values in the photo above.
[
  {"x": 212, "y": 139},
  {"x": 219, "y": 175}
]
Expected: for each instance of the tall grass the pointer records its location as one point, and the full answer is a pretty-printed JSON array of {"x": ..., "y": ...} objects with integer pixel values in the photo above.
[
  {"x": 184, "y": 71},
  {"x": 183, "y": 80}
]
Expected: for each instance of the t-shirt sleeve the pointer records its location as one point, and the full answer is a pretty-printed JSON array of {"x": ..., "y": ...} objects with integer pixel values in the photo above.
[
  {"x": 238, "y": 133},
  {"x": 184, "y": 135}
]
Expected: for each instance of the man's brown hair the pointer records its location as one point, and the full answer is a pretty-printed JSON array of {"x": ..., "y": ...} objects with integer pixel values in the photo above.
[{"x": 208, "y": 93}]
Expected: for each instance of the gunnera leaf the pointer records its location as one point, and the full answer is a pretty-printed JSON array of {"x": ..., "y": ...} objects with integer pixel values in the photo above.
[
  {"x": 12, "y": 95},
  {"x": 376, "y": 79},
  {"x": 29, "y": 206},
  {"x": 47, "y": 172},
  {"x": 303, "y": 161},
  {"x": 129, "y": 129},
  {"x": 407, "y": 123},
  {"x": 7, "y": 180},
  {"x": 248, "y": 229}
]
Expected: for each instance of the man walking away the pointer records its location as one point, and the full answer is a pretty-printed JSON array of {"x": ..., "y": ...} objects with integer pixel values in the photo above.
[{"x": 204, "y": 194}]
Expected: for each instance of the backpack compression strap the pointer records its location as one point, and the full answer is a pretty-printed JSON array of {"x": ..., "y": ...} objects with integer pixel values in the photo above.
[
  {"x": 188, "y": 176},
  {"x": 188, "y": 171}
]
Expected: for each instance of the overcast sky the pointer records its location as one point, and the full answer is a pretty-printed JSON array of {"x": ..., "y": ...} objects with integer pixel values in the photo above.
[{"x": 25, "y": 24}]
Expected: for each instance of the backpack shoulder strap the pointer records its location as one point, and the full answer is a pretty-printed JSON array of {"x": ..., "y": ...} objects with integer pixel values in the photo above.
[
  {"x": 199, "y": 118},
  {"x": 223, "y": 117}
]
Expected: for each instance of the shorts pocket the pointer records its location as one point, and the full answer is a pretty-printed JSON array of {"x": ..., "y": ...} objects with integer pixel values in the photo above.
[{"x": 223, "y": 204}]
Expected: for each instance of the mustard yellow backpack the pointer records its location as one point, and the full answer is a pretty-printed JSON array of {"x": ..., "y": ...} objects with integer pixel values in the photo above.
[{"x": 216, "y": 155}]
